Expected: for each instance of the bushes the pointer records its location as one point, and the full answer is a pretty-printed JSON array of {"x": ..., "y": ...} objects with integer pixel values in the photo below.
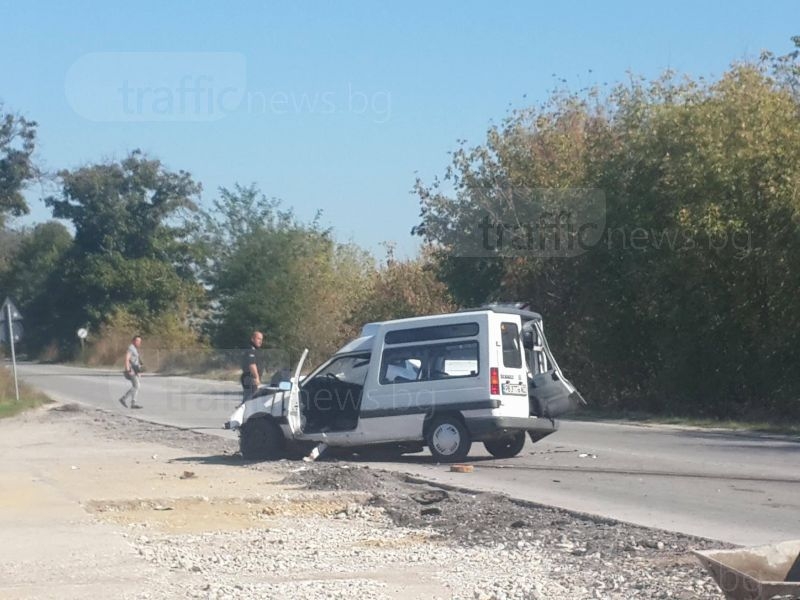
[
  {"x": 165, "y": 341},
  {"x": 687, "y": 302}
]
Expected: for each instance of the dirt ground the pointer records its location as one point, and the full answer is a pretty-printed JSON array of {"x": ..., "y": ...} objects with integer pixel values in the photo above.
[
  {"x": 82, "y": 491},
  {"x": 99, "y": 505}
]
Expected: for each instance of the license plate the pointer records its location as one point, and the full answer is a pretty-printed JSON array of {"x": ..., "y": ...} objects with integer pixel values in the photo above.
[{"x": 514, "y": 389}]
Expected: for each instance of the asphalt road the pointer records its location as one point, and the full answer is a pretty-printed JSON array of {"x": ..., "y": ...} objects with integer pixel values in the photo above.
[{"x": 737, "y": 487}]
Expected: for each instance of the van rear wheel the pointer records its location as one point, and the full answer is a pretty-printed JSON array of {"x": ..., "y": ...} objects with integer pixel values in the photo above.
[
  {"x": 507, "y": 446},
  {"x": 448, "y": 439},
  {"x": 261, "y": 439}
]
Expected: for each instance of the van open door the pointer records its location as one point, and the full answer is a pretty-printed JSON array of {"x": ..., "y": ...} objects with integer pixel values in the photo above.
[
  {"x": 551, "y": 394},
  {"x": 293, "y": 416}
]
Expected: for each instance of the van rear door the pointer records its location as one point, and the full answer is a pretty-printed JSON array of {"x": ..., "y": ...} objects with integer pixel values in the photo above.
[
  {"x": 512, "y": 373},
  {"x": 552, "y": 393}
]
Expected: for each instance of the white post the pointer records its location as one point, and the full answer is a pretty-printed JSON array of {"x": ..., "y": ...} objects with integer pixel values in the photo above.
[{"x": 13, "y": 355}]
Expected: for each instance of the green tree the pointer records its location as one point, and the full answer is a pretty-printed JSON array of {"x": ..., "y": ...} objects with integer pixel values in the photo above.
[
  {"x": 17, "y": 143},
  {"x": 400, "y": 289},
  {"x": 131, "y": 250},
  {"x": 34, "y": 276},
  {"x": 39, "y": 254},
  {"x": 268, "y": 270},
  {"x": 10, "y": 240},
  {"x": 687, "y": 302}
]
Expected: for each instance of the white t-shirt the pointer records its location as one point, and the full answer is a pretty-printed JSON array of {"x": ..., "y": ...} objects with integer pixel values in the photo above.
[{"x": 135, "y": 361}]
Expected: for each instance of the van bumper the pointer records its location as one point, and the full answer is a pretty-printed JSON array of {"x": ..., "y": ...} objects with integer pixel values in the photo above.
[{"x": 483, "y": 428}]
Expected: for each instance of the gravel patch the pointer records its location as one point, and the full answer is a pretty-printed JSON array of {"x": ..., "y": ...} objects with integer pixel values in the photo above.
[{"x": 404, "y": 538}]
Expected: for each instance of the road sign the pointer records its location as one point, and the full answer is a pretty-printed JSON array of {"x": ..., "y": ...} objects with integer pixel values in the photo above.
[
  {"x": 82, "y": 333},
  {"x": 9, "y": 312},
  {"x": 16, "y": 327}
]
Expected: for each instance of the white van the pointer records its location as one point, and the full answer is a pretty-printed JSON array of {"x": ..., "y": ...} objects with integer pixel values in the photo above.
[{"x": 439, "y": 381}]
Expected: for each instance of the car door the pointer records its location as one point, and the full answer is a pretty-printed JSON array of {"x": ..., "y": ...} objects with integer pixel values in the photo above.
[
  {"x": 293, "y": 409},
  {"x": 552, "y": 394}
]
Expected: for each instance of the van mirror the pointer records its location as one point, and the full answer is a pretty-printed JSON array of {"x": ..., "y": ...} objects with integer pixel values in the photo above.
[{"x": 285, "y": 386}]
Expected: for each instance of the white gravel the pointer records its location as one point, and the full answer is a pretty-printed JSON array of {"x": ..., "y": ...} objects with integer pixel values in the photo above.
[{"x": 354, "y": 553}]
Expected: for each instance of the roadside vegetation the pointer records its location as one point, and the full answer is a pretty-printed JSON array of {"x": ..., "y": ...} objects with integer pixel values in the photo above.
[
  {"x": 681, "y": 300},
  {"x": 686, "y": 301},
  {"x": 777, "y": 426},
  {"x": 28, "y": 398}
]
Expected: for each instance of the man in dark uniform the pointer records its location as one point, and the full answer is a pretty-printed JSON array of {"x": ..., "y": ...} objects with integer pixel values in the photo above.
[{"x": 252, "y": 366}]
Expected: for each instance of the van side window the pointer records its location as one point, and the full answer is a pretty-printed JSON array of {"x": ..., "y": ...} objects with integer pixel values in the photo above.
[
  {"x": 434, "y": 332},
  {"x": 429, "y": 362},
  {"x": 512, "y": 356},
  {"x": 454, "y": 360},
  {"x": 400, "y": 365}
]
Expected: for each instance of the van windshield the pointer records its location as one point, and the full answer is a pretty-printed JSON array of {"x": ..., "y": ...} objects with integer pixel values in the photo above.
[{"x": 350, "y": 369}]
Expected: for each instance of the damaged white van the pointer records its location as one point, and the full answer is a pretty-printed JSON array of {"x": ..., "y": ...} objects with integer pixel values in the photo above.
[{"x": 442, "y": 381}]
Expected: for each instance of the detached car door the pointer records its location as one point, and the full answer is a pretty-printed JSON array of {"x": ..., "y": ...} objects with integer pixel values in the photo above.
[{"x": 551, "y": 394}]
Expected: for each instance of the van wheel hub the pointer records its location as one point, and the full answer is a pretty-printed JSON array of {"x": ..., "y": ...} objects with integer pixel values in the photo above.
[{"x": 446, "y": 439}]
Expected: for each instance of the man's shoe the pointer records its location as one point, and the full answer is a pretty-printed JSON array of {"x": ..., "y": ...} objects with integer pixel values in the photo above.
[
  {"x": 122, "y": 401},
  {"x": 136, "y": 406}
]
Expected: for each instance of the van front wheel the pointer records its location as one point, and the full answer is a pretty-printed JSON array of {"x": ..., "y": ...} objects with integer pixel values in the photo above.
[
  {"x": 506, "y": 447},
  {"x": 261, "y": 438},
  {"x": 448, "y": 439}
]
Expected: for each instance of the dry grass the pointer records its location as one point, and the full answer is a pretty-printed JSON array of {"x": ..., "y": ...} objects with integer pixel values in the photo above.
[
  {"x": 107, "y": 346},
  {"x": 28, "y": 397}
]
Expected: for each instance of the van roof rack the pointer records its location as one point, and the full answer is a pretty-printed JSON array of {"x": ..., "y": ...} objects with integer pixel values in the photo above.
[{"x": 513, "y": 308}]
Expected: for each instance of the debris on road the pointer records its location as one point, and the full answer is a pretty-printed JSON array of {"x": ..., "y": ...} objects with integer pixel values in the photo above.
[
  {"x": 462, "y": 468},
  {"x": 315, "y": 453},
  {"x": 432, "y": 510},
  {"x": 430, "y": 497},
  {"x": 760, "y": 573}
]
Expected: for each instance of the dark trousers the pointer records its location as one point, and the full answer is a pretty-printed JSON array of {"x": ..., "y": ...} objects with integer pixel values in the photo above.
[{"x": 247, "y": 392}]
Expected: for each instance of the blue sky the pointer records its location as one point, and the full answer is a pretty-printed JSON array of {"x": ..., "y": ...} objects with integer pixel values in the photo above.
[{"x": 336, "y": 107}]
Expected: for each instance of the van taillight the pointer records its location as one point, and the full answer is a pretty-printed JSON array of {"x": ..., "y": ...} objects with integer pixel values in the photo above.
[{"x": 494, "y": 381}]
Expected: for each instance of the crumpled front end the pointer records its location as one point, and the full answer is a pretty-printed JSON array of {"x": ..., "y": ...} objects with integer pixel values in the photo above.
[
  {"x": 266, "y": 401},
  {"x": 236, "y": 419}
]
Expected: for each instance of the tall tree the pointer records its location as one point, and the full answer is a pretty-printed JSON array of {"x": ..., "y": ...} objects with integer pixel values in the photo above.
[
  {"x": 17, "y": 143},
  {"x": 33, "y": 278},
  {"x": 402, "y": 288},
  {"x": 39, "y": 254},
  {"x": 131, "y": 251},
  {"x": 268, "y": 270}
]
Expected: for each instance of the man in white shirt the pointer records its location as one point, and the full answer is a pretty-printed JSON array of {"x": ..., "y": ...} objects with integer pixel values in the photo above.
[{"x": 133, "y": 365}]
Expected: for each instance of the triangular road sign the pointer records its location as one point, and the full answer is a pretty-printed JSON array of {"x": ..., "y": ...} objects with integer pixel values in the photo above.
[{"x": 8, "y": 306}]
